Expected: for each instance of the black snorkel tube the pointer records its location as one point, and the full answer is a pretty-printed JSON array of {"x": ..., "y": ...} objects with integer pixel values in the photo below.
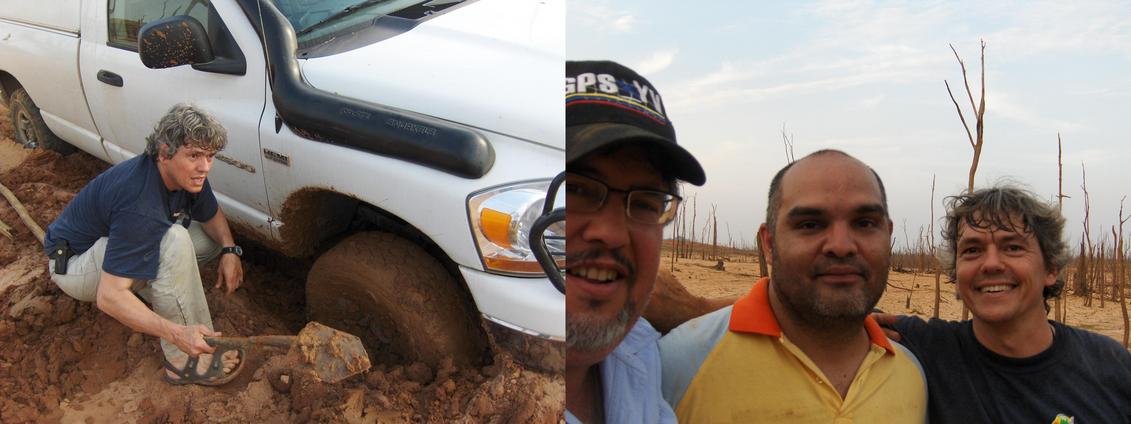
[{"x": 326, "y": 117}]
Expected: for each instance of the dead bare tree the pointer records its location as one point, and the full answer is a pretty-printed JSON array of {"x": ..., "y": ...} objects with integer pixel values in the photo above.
[
  {"x": 921, "y": 250},
  {"x": 1115, "y": 261},
  {"x": 979, "y": 112},
  {"x": 694, "y": 219},
  {"x": 675, "y": 235},
  {"x": 1061, "y": 311},
  {"x": 1098, "y": 271},
  {"x": 1082, "y": 286},
  {"x": 682, "y": 229},
  {"x": 787, "y": 140},
  {"x": 934, "y": 253},
  {"x": 714, "y": 233},
  {"x": 1122, "y": 259},
  {"x": 1080, "y": 277}
]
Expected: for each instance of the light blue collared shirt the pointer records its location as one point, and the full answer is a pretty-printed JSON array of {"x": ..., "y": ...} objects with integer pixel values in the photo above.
[{"x": 630, "y": 380}]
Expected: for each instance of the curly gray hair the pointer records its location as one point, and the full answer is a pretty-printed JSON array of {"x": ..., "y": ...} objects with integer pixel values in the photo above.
[
  {"x": 1013, "y": 209},
  {"x": 186, "y": 125}
]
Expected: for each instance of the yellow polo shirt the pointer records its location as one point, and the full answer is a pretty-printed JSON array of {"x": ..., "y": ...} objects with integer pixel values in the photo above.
[{"x": 735, "y": 366}]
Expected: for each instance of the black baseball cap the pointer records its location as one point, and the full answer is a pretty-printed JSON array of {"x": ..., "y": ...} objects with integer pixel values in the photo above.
[{"x": 607, "y": 104}]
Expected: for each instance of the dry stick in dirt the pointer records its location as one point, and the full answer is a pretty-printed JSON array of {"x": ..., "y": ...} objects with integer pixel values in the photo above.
[
  {"x": 19, "y": 207},
  {"x": 5, "y": 230},
  {"x": 979, "y": 114}
]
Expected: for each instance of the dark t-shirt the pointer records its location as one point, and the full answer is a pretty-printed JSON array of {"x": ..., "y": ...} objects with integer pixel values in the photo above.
[
  {"x": 130, "y": 205},
  {"x": 1083, "y": 375}
]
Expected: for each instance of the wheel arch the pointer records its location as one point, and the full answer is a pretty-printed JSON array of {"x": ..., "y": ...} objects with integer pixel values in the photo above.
[
  {"x": 316, "y": 218},
  {"x": 8, "y": 85}
]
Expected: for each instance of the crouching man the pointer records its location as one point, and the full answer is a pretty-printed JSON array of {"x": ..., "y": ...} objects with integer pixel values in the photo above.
[{"x": 140, "y": 229}]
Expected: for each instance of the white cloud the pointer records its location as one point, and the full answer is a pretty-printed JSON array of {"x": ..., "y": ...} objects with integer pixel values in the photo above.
[
  {"x": 624, "y": 23},
  {"x": 726, "y": 74},
  {"x": 872, "y": 102},
  {"x": 659, "y": 61},
  {"x": 602, "y": 17},
  {"x": 1001, "y": 105},
  {"x": 861, "y": 44},
  {"x": 732, "y": 95},
  {"x": 1050, "y": 27}
]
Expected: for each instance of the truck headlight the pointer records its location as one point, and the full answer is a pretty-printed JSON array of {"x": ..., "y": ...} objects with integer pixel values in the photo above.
[{"x": 501, "y": 218}]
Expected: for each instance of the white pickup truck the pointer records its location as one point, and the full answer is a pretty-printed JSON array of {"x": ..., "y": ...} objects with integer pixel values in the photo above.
[{"x": 407, "y": 144}]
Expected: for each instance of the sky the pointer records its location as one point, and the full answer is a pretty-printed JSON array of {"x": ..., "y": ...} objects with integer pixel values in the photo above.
[{"x": 868, "y": 77}]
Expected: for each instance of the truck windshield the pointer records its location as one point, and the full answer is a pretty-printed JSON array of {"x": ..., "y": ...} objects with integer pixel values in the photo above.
[{"x": 312, "y": 19}]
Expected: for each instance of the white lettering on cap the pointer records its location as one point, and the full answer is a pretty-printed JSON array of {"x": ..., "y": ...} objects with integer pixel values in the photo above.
[
  {"x": 649, "y": 97},
  {"x": 586, "y": 80},
  {"x": 608, "y": 84}
]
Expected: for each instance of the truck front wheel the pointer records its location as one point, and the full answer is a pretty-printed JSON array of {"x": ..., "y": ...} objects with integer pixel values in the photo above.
[
  {"x": 29, "y": 127},
  {"x": 398, "y": 299}
]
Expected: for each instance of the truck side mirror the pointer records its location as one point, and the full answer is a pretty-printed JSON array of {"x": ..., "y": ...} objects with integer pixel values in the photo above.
[{"x": 173, "y": 41}]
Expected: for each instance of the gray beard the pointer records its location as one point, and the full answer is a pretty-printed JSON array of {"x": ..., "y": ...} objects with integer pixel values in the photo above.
[{"x": 587, "y": 334}]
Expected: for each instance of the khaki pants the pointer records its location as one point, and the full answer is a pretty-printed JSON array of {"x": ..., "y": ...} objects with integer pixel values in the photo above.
[{"x": 177, "y": 293}]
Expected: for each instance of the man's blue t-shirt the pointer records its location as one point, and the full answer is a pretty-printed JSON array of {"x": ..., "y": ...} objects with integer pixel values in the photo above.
[{"x": 130, "y": 205}]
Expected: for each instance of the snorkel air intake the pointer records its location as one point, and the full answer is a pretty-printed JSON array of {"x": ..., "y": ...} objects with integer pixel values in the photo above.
[{"x": 329, "y": 118}]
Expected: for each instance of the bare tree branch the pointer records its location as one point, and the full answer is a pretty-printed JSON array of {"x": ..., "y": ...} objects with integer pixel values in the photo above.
[
  {"x": 787, "y": 140},
  {"x": 964, "y": 80},
  {"x": 965, "y": 126}
]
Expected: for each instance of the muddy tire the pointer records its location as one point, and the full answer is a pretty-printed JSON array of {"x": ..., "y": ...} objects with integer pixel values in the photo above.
[
  {"x": 28, "y": 125},
  {"x": 398, "y": 299}
]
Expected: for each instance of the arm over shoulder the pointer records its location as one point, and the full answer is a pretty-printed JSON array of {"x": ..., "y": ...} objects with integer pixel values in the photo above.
[{"x": 683, "y": 350}]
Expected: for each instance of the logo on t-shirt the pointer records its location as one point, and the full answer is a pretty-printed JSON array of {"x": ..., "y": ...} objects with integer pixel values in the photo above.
[{"x": 1063, "y": 419}]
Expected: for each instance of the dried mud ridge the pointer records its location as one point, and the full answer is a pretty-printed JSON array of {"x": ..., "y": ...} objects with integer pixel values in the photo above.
[{"x": 65, "y": 361}]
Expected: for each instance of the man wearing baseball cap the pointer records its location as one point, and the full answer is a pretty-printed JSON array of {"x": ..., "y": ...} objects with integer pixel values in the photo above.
[{"x": 622, "y": 164}]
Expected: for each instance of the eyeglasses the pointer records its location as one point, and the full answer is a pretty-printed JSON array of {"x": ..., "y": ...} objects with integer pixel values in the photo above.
[{"x": 585, "y": 194}]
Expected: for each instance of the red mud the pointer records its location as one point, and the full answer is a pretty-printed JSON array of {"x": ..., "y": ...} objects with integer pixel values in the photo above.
[{"x": 64, "y": 361}]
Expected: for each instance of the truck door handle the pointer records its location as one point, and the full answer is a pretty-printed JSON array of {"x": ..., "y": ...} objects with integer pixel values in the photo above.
[{"x": 110, "y": 78}]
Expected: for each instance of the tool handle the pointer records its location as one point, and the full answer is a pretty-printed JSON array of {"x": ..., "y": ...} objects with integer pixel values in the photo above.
[{"x": 274, "y": 341}]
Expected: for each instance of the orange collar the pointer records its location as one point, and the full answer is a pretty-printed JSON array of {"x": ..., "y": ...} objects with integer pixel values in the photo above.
[{"x": 752, "y": 314}]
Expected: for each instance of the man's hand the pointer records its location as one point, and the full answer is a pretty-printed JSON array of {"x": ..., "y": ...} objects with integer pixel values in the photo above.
[
  {"x": 229, "y": 274},
  {"x": 190, "y": 339},
  {"x": 887, "y": 323}
]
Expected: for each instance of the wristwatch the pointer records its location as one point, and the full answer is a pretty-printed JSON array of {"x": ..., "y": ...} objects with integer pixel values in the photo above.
[{"x": 238, "y": 251}]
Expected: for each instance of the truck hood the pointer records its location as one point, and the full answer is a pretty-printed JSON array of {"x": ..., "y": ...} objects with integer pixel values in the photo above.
[{"x": 492, "y": 64}]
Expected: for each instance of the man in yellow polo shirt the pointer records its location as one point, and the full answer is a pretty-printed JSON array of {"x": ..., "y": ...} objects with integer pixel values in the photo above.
[{"x": 800, "y": 346}]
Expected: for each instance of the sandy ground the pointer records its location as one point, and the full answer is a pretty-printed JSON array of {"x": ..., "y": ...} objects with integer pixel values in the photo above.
[
  {"x": 65, "y": 361},
  {"x": 700, "y": 277}
]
